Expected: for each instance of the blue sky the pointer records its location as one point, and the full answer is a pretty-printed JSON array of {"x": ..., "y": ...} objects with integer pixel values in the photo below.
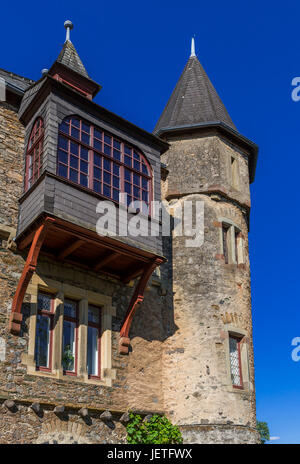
[{"x": 251, "y": 51}]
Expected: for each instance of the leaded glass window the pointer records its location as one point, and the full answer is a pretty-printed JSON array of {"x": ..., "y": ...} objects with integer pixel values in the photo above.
[{"x": 235, "y": 361}]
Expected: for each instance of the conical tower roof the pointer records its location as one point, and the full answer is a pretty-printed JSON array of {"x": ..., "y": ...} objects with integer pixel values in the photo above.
[
  {"x": 194, "y": 100},
  {"x": 70, "y": 58}
]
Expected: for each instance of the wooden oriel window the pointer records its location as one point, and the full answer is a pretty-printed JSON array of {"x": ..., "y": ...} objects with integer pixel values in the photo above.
[
  {"x": 44, "y": 332},
  {"x": 34, "y": 153},
  {"x": 95, "y": 159},
  {"x": 93, "y": 342},
  {"x": 235, "y": 361},
  {"x": 70, "y": 337}
]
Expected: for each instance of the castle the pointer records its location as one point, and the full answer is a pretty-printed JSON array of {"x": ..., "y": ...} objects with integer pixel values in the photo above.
[{"x": 97, "y": 322}]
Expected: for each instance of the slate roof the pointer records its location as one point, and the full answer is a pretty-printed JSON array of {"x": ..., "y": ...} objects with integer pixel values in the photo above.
[
  {"x": 70, "y": 58},
  {"x": 15, "y": 81},
  {"x": 193, "y": 101}
]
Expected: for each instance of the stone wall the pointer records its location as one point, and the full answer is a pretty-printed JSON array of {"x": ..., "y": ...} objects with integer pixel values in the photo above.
[
  {"x": 137, "y": 384},
  {"x": 210, "y": 298}
]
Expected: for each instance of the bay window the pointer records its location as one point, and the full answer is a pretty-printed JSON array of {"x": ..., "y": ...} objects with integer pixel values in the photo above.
[{"x": 93, "y": 158}]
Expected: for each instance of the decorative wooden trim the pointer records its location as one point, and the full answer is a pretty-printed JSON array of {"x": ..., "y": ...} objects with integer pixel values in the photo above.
[
  {"x": 29, "y": 269},
  {"x": 136, "y": 299}
]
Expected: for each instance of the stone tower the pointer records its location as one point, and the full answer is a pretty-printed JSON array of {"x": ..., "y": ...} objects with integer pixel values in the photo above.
[{"x": 208, "y": 371}]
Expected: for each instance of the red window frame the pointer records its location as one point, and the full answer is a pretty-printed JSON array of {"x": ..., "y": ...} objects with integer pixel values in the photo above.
[
  {"x": 50, "y": 314},
  {"x": 34, "y": 153},
  {"x": 76, "y": 321},
  {"x": 96, "y": 160},
  {"x": 239, "y": 341},
  {"x": 97, "y": 326}
]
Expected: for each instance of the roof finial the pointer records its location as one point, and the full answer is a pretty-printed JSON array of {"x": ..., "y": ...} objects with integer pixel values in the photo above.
[
  {"x": 68, "y": 25},
  {"x": 193, "y": 47}
]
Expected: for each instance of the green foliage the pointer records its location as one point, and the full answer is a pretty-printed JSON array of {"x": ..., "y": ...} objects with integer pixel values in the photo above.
[
  {"x": 157, "y": 430},
  {"x": 263, "y": 429},
  {"x": 68, "y": 358}
]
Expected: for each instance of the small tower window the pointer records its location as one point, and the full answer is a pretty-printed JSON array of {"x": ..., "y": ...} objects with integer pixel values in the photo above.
[
  {"x": 94, "y": 159},
  {"x": 234, "y": 172},
  {"x": 235, "y": 361},
  {"x": 34, "y": 154},
  {"x": 232, "y": 244}
]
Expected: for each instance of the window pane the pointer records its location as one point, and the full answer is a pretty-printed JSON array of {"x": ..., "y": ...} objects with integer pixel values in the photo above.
[
  {"x": 117, "y": 155},
  {"x": 93, "y": 314},
  {"x": 92, "y": 351},
  {"x": 85, "y": 127},
  {"x": 73, "y": 175},
  {"x": 97, "y": 173},
  {"x": 74, "y": 148},
  {"x": 62, "y": 142},
  {"x": 107, "y": 139},
  {"x": 85, "y": 138},
  {"x": 70, "y": 309},
  {"x": 107, "y": 150},
  {"x": 97, "y": 186},
  {"x": 106, "y": 190},
  {"x": 97, "y": 145},
  {"x": 117, "y": 144},
  {"x": 62, "y": 170},
  {"x": 127, "y": 160},
  {"x": 75, "y": 133},
  {"x": 98, "y": 134},
  {"x": 83, "y": 180},
  {"x": 42, "y": 341},
  {"x": 44, "y": 302},
  {"x": 68, "y": 353},
  {"x": 234, "y": 361},
  {"x": 127, "y": 150},
  {"x": 116, "y": 169},
  {"x": 144, "y": 183},
  {"x": 106, "y": 177},
  {"x": 75, "y": 122},
  {"x": 106, "y": 164},
  {"x": 84, "y": 167},
  {"x": 63, "y": 156},
  {"x": 97, "y": 160},
  {"x": 127, "y": 175},
  {"x": 74, "y": 162},
  {"x": 84, "y": 154}
]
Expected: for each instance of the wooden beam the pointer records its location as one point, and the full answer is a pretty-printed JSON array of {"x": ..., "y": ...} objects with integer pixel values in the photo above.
[
  {"x": 70, "y": 249},
  {"x": 136, "y": 299},
  {"x": 132, "y": 273},
  {"x": 29, "y": 269},
  {"x": 104, "y": 261}
]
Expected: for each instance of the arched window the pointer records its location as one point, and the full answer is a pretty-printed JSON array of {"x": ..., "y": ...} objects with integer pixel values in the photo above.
[
  {"x": 34, "y": 153},
  {"x": 95, "y": 159}
]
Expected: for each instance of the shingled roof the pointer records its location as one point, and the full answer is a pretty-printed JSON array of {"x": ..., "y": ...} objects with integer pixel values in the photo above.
[
  {"x": 193, "y": 101},
  {"x": 70, "y": 58}
]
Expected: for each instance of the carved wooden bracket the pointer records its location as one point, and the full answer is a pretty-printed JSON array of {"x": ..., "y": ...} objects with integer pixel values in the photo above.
[
  {"x": 136, "y": 299},
  {"x": 29, "y": 269}
]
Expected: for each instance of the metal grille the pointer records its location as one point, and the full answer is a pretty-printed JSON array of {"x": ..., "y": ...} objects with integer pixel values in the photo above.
[{"x": 235, "y": 362}]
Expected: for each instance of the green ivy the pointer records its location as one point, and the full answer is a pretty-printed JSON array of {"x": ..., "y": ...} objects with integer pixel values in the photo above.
[{"x": 157, "y": 430}]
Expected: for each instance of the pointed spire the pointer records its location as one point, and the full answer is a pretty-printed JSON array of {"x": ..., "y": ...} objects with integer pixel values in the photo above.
[
  {"x": 68, "y": 26},
  {"x": 193, "y": 53},
  {"x": 194, "y": 100}
]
